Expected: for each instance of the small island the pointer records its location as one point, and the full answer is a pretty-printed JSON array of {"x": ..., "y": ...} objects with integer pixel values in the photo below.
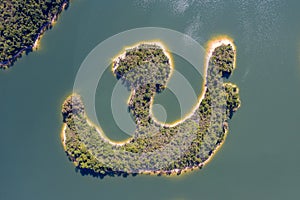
[
  {"x": 155, "y": 148},
  {"x": 22, "y": 24}
]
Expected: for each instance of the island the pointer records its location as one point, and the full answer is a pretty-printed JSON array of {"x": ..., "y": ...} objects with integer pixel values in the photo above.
[
  {"x": 22, "y": 25},
  {"x": 155, "y": 148}
]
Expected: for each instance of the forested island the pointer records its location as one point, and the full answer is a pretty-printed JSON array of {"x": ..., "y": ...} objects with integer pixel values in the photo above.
[
  {"x": 155, "y": 148},
  {"x": 22, "y": 23}
]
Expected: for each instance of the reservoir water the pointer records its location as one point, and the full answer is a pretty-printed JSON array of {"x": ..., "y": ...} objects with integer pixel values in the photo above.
[{"x": 259, "y": 159}]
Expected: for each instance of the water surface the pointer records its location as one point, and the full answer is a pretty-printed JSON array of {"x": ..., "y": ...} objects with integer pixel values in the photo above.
[{"x": 259, "y": 159}]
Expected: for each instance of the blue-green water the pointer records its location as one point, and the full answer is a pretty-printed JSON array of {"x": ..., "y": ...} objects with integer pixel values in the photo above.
[{"x": 259, "y": 159}]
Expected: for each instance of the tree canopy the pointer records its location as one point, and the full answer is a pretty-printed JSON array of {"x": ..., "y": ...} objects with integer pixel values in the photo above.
[
  {"x": 21, "y": 23},
  {"x": 154, "y": 147}
]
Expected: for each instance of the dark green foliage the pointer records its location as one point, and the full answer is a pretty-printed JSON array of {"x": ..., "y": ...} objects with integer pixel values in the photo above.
[
  {"x": 21, "y": 23},
  {"x": 92, "y": 153},
  {"x": 143, "y": 65},
  {"x": 233, "y": 98},
  {"x": 145, "y": 70},
  {"x": 223, "y": 59},
  {"x": 72, "y": 106}
]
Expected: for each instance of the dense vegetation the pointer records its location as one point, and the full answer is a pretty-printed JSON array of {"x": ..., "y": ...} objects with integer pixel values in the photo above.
[
  {"x": 223, "y": 57},
  {"x": 154, "y": 147},
  {"x": 21, "y": 23},
  {"x": 144, "y": 70}
]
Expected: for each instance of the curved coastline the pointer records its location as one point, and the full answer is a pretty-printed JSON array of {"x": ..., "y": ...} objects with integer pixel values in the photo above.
[
  {"x": 210, "y": 47},
  {"x": 8, "y": 63},
  {"x": 212, "y": 44}
]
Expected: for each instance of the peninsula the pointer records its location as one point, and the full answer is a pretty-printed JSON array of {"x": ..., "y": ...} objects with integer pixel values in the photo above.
[
  {"x": 22, "y": 24},
  {"x": 155, "y": 148}
]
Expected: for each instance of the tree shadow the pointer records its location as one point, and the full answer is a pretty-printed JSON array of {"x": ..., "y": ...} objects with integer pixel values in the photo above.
[
  {"x": 225, "y": 74},
  {"x": 108, "y": 173}
]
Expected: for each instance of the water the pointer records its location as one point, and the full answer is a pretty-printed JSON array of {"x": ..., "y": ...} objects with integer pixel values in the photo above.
[{"x": 260, "y": 156}]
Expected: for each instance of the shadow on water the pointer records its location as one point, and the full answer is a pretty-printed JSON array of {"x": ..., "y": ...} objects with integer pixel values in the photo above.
[{"x": 110, "y": 173}]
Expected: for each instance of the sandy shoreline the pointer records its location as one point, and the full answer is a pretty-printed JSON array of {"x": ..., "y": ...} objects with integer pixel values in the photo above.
[
  {"x": 152, "y": 42},
  {"x": 103, "y": 136},
  {"x": 211, "y": 45},
  {"x": 39, "y": 35},
  {"x": 36, "y": 44},
  {"x": 63, "y": 135}
]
